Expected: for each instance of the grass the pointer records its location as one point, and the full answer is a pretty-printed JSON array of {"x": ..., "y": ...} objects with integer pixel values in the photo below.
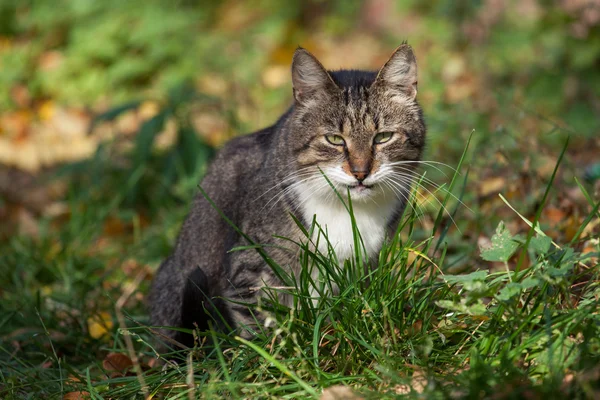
[
  {"x": 73, "y": 297},
  {"x": 488, "y": 292}
]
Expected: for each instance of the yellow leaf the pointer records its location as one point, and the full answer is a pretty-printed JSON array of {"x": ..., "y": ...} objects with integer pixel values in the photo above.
[
  {"x": 99, "y": 325},
  {"x": 46, "y": 110}
]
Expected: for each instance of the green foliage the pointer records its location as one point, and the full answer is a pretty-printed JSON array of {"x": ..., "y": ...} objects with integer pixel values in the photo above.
[
  {"x": 481, "y": 333},
  {"x": 148, "y": 178},
  {"x": 503, "y": 245}
]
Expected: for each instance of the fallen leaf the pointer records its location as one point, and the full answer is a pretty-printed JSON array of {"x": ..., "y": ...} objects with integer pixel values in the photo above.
[
  {"x": 99, "y": 325},
  {"x": 553, "y": 215},
  {"x": 46, "y": 110},
  {"x": 402, "y": 389},
  {"x": 117, "y": 362},
  {"x": 213, "y": 84},
  {"x": 418, "y": 382},
  {"x": 148, "y": 109},
  {"x": 50, "y": 60},
  {"x": 275, "y": 76},
  {"x": 491, "y": 185},
  {"x": 20, "y": 95},
  {"x": 16, "y": 125},
  {"x": 339, "y": 392},
  {"x": 114, "y": 226},
  {"x": 76, "y": 396}
]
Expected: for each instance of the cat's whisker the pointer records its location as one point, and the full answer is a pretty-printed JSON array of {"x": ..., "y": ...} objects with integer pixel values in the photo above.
[
  {"x": 434, "y": 185},
  {"x": 284, "y": 191},
  {"x": 289, "y": 189},
  {"x": 438, "y": 201},
  {"x": 429, "y": 163},
  {"x": 292, "y": 187},
  {"x": 322, "y": 185},
  {"x": 302, "y": 172},
  {"x": 398, "y": 190},
  {"x": 401, "y": 190}
]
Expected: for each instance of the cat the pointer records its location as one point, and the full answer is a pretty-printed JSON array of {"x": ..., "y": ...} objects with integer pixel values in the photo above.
[{"x": 362, "y": 130}]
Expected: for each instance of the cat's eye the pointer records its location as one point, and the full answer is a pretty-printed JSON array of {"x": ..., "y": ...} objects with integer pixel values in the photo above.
[
  {"x": 335, "y": 140},
  {"x": 383, "y": 137}
]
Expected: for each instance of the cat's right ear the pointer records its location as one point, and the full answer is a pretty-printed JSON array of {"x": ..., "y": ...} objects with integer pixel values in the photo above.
[
  {"x": 309, "y": 77},
  {"x": 400, "y": 72}
]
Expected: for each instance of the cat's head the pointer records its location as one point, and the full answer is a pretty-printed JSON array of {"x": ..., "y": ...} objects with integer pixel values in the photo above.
[{"x": 364, "y": 130}]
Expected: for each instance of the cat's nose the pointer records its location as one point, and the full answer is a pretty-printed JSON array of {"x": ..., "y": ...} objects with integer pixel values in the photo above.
[{"x": 360, "y": 175}]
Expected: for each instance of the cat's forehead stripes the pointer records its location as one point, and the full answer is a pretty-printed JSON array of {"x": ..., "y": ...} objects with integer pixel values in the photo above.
[{"x": 358, "y": 117}]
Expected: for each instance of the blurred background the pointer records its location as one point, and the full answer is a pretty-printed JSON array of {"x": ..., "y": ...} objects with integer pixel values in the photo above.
[
  {"x": 148, "y": 89},
  {"x": 110, "y": 110}
]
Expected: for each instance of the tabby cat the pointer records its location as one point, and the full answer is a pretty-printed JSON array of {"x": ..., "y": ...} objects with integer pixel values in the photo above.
[{"x": 362, "y": 130}]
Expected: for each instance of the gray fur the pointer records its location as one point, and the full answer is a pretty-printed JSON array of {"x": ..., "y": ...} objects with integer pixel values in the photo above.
[{"x": 252, "y": 180}]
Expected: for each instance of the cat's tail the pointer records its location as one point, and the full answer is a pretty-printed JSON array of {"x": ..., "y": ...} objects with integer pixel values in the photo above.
[{"x": 202, "y": 307}]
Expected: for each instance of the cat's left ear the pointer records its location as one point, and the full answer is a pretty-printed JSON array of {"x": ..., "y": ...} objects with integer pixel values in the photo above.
[
  {"x": 400, "y": 72},
  {"x": 309, "y": 77}
]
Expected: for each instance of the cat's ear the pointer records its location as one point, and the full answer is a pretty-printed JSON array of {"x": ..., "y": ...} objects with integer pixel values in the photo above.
[
  {"x": 309, "y": 77},
  {"x": 400, "y": 71}
]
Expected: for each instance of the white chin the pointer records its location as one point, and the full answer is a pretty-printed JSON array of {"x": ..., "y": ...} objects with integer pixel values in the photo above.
[{"x": 361, "y": 193}]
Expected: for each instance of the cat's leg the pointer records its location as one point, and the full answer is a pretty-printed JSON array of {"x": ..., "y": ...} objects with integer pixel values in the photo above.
[
  {"x": 165, "y": 298},
  {"x": 242, "y": 305},
  {"x": 250, "y": 282}
]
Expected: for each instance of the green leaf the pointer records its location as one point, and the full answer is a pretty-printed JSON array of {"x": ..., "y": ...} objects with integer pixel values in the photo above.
[
  {"x": 115, "y": 112},
  {"x": 462, "y": 308},
  {"x": 145, "y": 137},
  {"x": 515, "y": 288},
  {"x": 540, "y": 244},
  {"x": 503, "y": 246},
  {"x": 473, "y": 276},
  {"x": 509, "y": 291}
]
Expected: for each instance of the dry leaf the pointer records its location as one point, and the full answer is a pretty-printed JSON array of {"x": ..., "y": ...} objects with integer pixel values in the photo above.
[
  {"x": 418, "y": 382},
  {"x": 114, "y": 226},
  {"x": 402, "y": 389},
  {"x": 275, "y": 76},
  {"x": 339, "y": 392},
  {"x": 50, "y": 60},
  {"x": 491, "y": 185},
  {"x": 21, "y": 96},
  {"x": 117, "y": 362},
  {"x": 99, "y": 325},
  {"x": 554, "y": 215},
  {"x": 213, "y": 84},
  {"x": 46, "y": 110},
  {"x": 76, "y": 396},
  {"x": 148, "y": 109},
  {"x": 211, "y": 125}
]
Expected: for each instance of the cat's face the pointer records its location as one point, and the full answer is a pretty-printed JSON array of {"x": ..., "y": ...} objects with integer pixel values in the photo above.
[{"x": 363, "y": 130}]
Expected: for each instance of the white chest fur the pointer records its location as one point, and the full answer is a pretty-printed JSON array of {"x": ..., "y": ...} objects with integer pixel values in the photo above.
[{"x": 372, "y": 217}]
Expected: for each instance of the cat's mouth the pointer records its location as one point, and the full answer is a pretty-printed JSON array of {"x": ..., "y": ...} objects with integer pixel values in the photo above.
[{"x": 359, "y": 187}]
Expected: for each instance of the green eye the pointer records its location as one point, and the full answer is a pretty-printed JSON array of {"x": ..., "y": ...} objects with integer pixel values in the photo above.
[
  {"x": 383, "y": 137},
  {"x": 335, "y": 140}
]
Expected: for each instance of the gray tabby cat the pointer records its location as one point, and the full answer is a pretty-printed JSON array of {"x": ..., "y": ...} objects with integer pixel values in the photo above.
[{"x": 364, "y": 130}]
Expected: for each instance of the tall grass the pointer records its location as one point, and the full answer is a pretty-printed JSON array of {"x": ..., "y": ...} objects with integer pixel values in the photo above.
[{"x": 402, "y": 327}]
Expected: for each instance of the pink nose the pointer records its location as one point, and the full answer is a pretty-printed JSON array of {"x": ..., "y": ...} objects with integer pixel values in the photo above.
[{"x": 360, "y": 174}]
